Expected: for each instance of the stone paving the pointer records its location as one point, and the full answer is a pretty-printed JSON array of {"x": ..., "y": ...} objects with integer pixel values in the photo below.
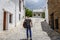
[
  {"x": 52, "y": 34},
  {"x": 40, "y": 31}
]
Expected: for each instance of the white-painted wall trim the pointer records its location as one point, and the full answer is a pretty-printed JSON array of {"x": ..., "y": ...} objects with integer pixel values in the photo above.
[{"x": 46, "y": 12}]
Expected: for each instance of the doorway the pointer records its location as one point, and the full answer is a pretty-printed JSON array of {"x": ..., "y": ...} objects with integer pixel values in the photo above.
[
  {"x": 4, "y": 20},
  {"x": 56, "y": 23},
  {"x": 52, "y": 20}
]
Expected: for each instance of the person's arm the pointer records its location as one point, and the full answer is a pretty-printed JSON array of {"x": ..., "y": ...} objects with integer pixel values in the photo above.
[{"x": 31, "y": 23}]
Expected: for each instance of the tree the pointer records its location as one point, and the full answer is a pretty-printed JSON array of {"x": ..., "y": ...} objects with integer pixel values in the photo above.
[
  {"x": 28, "y": 12},
  {"x": 43, "y": 15}
]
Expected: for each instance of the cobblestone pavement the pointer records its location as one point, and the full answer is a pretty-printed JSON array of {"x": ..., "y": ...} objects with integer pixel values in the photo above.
[{"x": 40, "y": 31}]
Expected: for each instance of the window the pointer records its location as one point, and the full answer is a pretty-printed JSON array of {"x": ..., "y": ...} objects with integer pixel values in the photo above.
[
  {"x": 23, "y": 6},
  {"x": 38, "y": 14},
  {"x": 23, "y": 2},
  {"x": 10, "y": 18},
  {"x": 19, "y": 16},
  {"x": 34, "y": 15},
  {"x": 20, "y": 5}
]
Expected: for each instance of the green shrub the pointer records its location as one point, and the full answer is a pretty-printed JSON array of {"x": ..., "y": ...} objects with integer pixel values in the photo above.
[
  {"x": 43, "y": 15},
  {"x": 28, "y": 12}
]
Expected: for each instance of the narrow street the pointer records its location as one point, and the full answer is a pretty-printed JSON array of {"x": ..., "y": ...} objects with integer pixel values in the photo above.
[{"x": 40, "y": 31}]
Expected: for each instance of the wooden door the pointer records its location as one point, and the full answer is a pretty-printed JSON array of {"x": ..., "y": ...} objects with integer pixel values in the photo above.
[
  {"x": 4, "y": 21},
  {"x": 52, "y": 21}
]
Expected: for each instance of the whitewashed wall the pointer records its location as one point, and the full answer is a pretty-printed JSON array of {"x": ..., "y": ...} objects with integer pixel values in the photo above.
[
  {"x": 22, "y": 13},
  {"x": 9, "y": 6},
  {"x": 22, "y": 10},
  {"x": 1, "y": 18},
  {"x": 46, "y": 12}
]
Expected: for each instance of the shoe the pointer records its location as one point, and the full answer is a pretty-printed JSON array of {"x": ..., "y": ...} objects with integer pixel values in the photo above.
[{"x": 30, "y": 39}]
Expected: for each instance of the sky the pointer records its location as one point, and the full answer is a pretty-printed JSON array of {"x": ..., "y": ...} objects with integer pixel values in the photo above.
[{"x": 35, "y": 4}]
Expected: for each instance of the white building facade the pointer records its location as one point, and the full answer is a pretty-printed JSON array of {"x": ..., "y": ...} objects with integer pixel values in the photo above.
[
  {"x": 46, "y": 12},
  {"x": 38, "y": 13},
  {"x": 11, "y": 12}
]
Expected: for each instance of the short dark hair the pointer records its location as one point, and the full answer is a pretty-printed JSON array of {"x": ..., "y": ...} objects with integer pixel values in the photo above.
[{"x": 27, "y": 16}]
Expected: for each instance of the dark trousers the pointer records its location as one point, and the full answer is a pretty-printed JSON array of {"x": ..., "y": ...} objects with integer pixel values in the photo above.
[{"x": 28, "y": 32}]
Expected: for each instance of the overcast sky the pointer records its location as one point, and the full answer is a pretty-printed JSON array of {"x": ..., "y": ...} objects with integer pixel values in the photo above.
[{"x": 35, "y": 4}]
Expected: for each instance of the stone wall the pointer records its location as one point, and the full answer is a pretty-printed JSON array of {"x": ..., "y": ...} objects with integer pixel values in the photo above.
[{"x": 54, "y": 8}]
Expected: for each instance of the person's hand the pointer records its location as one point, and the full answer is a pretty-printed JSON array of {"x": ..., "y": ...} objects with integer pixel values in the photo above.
[{"x": 31, "y": 24}]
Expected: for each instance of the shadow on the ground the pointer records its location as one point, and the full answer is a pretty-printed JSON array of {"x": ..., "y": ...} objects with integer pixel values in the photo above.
[
  {"x": 23, "y": 39},
  {"x": 51, "y": 33}
]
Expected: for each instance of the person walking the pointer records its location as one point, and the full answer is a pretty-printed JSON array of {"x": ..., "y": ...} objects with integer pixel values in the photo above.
[{"x": 28, "y": 24}]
